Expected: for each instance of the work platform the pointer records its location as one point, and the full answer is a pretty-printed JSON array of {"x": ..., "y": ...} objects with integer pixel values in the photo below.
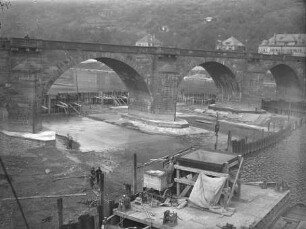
[{"x": 256, "y": 208}]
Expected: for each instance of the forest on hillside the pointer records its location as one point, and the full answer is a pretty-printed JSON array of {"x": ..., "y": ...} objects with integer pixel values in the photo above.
[{"x": 177, "y": 23}]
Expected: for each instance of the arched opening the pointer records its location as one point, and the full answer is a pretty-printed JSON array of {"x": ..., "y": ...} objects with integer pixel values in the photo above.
[
  {"x": 197, "y": 87},
  {"x": 98, "y": 81},
  {"x": 269, "y": 91},
  {"x": 208, "y": 82},
  {"x": 288, "y": 86},
  {"x": 223, "y": 77}
]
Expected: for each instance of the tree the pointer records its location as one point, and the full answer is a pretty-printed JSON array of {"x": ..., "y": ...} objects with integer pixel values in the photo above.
[{"x": 4, "y": 4}]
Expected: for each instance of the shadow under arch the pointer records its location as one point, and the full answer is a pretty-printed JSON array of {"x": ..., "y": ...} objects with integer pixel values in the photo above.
[
  {"x": 287, "y": 82},
  {"x": 130, "y": 77},
  {"x": 139, "y": 94},
  {"x": 223, "y": 76}
]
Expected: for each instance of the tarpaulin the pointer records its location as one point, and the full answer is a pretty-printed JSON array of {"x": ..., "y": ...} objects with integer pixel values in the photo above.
[{"x": 207, "y": 190}]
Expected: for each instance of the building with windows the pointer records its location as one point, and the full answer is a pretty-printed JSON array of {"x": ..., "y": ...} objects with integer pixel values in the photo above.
[
  {"x": 149, "y": 41},
  {"x": 284, "y": 44},
  {"x": 230, "y": 44}
]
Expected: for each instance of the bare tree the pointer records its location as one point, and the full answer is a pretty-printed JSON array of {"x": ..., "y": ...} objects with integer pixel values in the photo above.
[{"x": 4, "y": 4}]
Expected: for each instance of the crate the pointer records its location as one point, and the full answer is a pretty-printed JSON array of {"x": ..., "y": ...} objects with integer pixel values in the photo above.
[{"x": 155, "y": 179}]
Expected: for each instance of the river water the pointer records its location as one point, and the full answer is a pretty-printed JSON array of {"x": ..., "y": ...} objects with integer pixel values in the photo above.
[{"x": 286, "y": 160}]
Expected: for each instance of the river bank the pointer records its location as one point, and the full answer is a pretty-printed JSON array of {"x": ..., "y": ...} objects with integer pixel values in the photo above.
[{"x": 111, "y": 146}]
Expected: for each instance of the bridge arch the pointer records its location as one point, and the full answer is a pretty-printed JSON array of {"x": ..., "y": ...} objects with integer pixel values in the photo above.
[
  {"x": 140, "y": 97},
  {"x": 224, "y": 75},
  {"x": 288, "y": 84}
]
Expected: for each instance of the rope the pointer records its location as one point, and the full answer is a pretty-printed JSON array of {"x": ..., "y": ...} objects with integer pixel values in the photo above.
[{"x": 14, "y": 193}]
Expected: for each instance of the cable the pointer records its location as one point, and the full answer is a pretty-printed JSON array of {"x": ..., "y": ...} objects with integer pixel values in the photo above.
[{"x": 14, "y": 192}]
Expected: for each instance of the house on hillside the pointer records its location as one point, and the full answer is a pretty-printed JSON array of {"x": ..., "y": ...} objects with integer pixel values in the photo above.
[
  {"x": 149, "y": 40},
  {"x": 284, "y": 44},
  {"x": 230, "y": 44}
]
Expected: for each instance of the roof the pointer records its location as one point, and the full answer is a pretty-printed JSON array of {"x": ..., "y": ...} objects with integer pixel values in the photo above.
[
  {"x": 290, "y": 39},
  {"x": 149, "y": 39},
  {"x": 232, "y": 41}
]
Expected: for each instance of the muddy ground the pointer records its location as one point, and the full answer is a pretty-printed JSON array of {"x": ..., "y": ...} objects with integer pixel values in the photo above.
[{"x": 36, "y": 171}]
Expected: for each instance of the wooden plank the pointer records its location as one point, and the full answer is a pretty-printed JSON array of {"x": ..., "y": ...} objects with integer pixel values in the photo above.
[
  {"x": 179, "y": 153},
  {"x": 178, "y": 187},
  {"x": 144, "y": 220},
  {"x": 60, "y": 211},
  {"x": 203, "y": 121},
  {"x": 62, "y": 178},
  {"x": 234, "y": 184},
  {"x": 187, "y": 188},
  {"x": 50, "y": 196},
  {"x": 184, "y": 181},
  {"x": 193, "y": 170},
  {"x": 233, "y": 164}
]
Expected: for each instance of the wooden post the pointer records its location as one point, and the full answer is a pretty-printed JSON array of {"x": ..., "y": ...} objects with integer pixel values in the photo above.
[
  {"x": 86, "y": 222},
  {"x": 246, "y": 148},
  {"x": 111, "y": 206},
  {"x": 229, "y": 141},
  {"x": 134, "y": 174},
  {"x": 100, "y": 213},
  {"x": 60, "y": 212},
  {"x": 49, "y": 103},
  {"x": 101, "y": 207},
  {"x": 239, "y": 181},
  {"x": 235, "y": 181},
  {"x": 226, "y": 168},
  {"x": 177, "y": 183}
]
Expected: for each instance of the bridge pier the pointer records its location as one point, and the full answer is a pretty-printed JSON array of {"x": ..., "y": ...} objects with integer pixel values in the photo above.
[
  {"x": 152, "y": 75},
  {"x": 252, "y": 90},
  {"x": 164, "y": 89},
  {"x": 24, "y": 108}
]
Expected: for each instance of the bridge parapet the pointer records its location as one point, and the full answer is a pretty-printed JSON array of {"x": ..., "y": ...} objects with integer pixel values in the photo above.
[
  {"x": 67, "y": 45},
  {"x": 152, "y": 73}
]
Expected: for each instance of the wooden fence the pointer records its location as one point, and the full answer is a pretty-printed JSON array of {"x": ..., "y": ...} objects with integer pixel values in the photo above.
[
  {"x": 242, "y": 147},
  {"x": 196, "y": 99},
  {"x": 69, "y": 102},
  {"x": 283, "y": 107}
]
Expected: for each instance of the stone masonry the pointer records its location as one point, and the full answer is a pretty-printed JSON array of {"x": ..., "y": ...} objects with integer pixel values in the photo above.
[{"x": 29, "y": 67}]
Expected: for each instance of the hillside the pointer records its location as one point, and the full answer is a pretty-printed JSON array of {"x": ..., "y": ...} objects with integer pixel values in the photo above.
[{"x": 123, "y": 22}]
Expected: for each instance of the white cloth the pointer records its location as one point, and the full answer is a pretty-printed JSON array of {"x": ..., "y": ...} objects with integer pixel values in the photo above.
[{"x": 207, "y": 190}]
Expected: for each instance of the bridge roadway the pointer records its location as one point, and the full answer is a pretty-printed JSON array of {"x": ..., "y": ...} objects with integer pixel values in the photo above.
[{"x": 37, "y": 44}]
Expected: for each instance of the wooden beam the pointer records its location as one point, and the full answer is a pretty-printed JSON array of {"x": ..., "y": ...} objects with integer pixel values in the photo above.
[
  {"x": 184, "y": 181},
  {"x": 187, "y": 188},
  {"x": 193, "y": 170},
  {"x": 134, "y": 174},
  {"x": 60, "y": 212},
  {"x": 49, "y": 196},
  {"x": 179, "y": 153},
  {"x": 62, "y": 178},
  {"x": 236, "y": 179}
]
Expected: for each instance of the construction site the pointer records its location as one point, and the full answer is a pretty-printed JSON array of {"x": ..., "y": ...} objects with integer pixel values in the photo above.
[{"x": 53, "y": 180}]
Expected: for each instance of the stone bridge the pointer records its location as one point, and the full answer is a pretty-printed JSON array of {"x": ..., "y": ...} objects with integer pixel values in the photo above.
[{"x": 29, "y": 67}]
